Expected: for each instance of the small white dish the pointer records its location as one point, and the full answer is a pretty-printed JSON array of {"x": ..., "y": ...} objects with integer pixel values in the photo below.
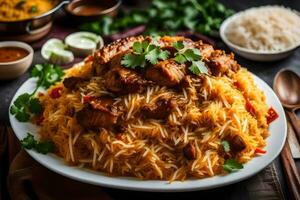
[
  {"x": 13, "y": 69},
  {"x": 249, "y": 53},
  {"x": 275, "y": 142}
]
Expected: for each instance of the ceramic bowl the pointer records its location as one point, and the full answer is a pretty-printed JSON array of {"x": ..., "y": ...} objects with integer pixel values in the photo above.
[
  {"x": 10, "y": 70},
  {"x": 249, "y": 53}
]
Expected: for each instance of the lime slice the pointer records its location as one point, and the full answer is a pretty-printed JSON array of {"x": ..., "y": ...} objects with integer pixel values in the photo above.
[
  {"x": 60, "y": 57},
  {"x": 83, "y": 43},
  {"x": 54, "y": 51}
]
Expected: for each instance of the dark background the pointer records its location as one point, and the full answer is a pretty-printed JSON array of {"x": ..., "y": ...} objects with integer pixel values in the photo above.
[{"x": 266, "y": 71}]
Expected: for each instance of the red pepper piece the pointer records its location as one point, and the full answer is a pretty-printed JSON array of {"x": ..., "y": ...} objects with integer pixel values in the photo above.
[
  {"x": 250, "y": 107},
  {"x": 260, "y": 151},
  {"x": 56, "y": 92},
  {"x": 272, "y": 115}
]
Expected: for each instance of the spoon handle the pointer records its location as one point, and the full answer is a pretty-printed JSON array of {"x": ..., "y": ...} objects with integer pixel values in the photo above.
[
  {"x": 290, "y": 170},
  {"x": 295, "y": 122}
]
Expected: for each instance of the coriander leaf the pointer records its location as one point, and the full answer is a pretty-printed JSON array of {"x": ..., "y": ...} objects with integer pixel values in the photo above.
[
  {"x": 28, "y": 142},
  {"x": 35, "y": 106},
  {"x": 142, "y": 52},
  {"x": 22, "y": 100},
  {"x": 33, "y": 9},
  {"x": 137, "y": 47},
  {"x": 163, "y": 55},
  {"x": 13, "y": 109},
  {"x": 47, "y": 74},
  {"x": 41, "y": 147},
  {"x": 232, "y": 165},
  {"x": 180, "y": 58},
  {"x": 178, "y": 45},
  {"x": 133, "y": 61},
  {"x": 20, "y": 108},
  {"x": 152, "y": 56},
  {"x": 150, "y": 48},
  {"x": 145, "y": 45},
  {"x": 44, "y": 147},
  {"x": 37, "y": 70},
  {"x": 198, "y": 67},
  {"x": 22, "y": 116},
  {"x": 192, "y": 54},
  {"x": 225, "y": 145}
]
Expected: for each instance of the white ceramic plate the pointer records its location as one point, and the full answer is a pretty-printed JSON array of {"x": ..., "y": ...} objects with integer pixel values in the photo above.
[{"x": 275, "y": 143}]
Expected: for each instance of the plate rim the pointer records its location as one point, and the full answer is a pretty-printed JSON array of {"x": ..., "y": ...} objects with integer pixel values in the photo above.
[{"x": 174, "y": 186}]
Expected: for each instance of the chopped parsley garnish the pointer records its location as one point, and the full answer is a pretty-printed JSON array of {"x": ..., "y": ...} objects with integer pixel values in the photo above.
[
  {"x": 231, "y": 165},
  {"x": 190, "y": 55},
  {"x": 47, "y": 74},
  {"x": 198, "y": 67},
  {"x": 143, "y": 52},
  {"x": 26, "y": 104},
  {"x": 41, "y": 147},
  {"x": 225, "y": 145},
  {"x": 33, "y": 9},
  {"x": 165, "y": 17}
]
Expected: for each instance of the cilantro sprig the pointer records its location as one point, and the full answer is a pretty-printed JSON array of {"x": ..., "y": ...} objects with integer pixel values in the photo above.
[
  {"x": 26, "y": 104},
  {"x": 142, "y": 52},
  {"x": 231, "y": 165},
  {"x": 47, "y": 74},
  {"x": 41, "y": 147},
  {"x": 193, "y": 56},
  {"x": 165, "y": 17}
]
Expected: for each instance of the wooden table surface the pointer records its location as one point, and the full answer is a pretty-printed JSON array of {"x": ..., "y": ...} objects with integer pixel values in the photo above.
[{"x": 265, "y": 71}]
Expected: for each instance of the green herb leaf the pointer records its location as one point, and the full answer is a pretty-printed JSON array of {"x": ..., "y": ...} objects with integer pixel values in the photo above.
[
  {"x": 133, "y": 61},
  {"x": 225, "y": 145},
  {"x": 33, "y": 9},
  {"x": 178, "y": 45},
  {"x": 24, "y": 106},
  {"x": 198, "y": 67},
  {"x": 142, "y": 52},
  {"x": 41, "y": 147},
  {"x": 232, "y": 165},
  {"x": 45, "y": 147},
  {"x": 22, "y": 116},
  {"x": 165, "y": 17},
  {"x": 138, "y": 47},
  {"x": 47, "y": 74},
  {"x": 192, "y": 55},
  {"x": 180, "y": 58},
  {"x": 28, "y": 142},
  {"x": 35, "y": 106}
]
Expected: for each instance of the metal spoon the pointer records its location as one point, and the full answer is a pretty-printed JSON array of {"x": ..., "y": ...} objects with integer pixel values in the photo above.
[{"x": 287, "y": 87}]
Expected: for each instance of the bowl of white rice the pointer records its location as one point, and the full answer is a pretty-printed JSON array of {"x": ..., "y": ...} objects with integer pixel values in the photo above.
[{"x": 266, "y": 33}]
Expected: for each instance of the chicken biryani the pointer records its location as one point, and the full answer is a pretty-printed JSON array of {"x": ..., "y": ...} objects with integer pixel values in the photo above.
[{"x": 162, "y": 108}]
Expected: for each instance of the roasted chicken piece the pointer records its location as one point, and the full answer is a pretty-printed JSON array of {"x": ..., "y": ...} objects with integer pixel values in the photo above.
[
  {"x": 72, "y": 82},
  {"x": 205, "y": 49},
  {"x": 166, "y": 73},
  {"x": 189, "y": 151},
  {"x": 98, "y": 113},
  {"x": 237, "y": 143},
  {"x": 160, "y": 109},
  {"x": 106, "y": 54},
  {"x": 122, "y": 81},
  {"x": 221, "y": 63}
]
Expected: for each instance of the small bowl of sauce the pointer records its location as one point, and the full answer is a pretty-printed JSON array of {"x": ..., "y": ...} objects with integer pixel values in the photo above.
[
  {"x": 89, "y": 10},
  {"x": 15, "y": 59}
]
